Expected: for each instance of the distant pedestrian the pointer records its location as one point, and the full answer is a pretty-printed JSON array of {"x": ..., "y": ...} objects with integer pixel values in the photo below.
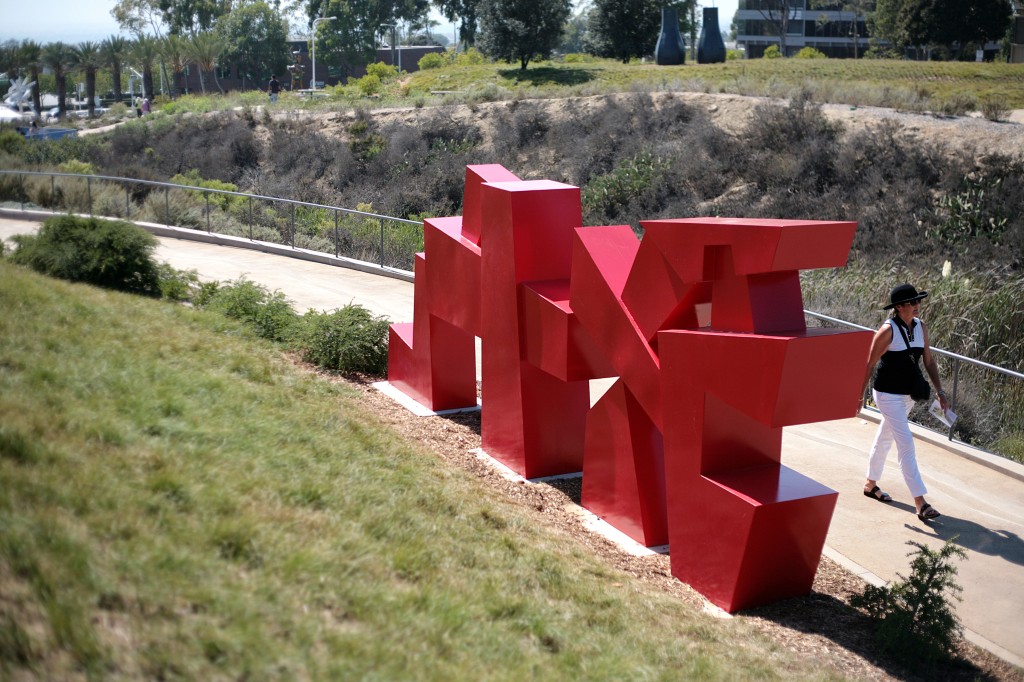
[
  {"x": 274, "y": 89},
  {"x": 138, "y": 107},
  {"x": 145, "y": 105},
  {"x": 897, "y": 348}
]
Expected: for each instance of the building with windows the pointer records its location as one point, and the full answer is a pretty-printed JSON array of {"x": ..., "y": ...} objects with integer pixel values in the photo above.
[{"x": 828, "y": 28}]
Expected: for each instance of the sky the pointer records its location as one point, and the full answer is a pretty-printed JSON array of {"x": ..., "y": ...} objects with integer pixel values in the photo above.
[{"x": 74, "y": 21}]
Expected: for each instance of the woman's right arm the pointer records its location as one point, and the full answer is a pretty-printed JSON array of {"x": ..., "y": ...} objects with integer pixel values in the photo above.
[{"x": 883, "y": 337}]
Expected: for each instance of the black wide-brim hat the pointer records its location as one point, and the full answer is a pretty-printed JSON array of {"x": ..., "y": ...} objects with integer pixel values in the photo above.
[{"x": 904, "y": 293}]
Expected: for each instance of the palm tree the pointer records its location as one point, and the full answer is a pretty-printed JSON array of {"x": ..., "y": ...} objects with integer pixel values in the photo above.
[
  {"x": 174, "y": 50},
  {"x": 30, "y": 54},
  {"x": 59, "y": 57},
  {"x": 145, "y": 51},
  {"x": 205, "y": 50},
  {"x": 88, "y": 57},
  {"x": 114, "y": 50}
]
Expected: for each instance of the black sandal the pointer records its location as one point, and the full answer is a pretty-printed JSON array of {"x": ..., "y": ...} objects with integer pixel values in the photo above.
[
  {"x": 877, "y": 494},
  {"x": 928, "y": 513}
]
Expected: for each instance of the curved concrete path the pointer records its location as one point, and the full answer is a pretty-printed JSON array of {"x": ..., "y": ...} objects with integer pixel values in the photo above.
[{"x": 980, "y": 496}]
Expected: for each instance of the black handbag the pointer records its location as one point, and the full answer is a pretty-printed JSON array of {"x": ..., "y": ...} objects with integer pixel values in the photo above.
[{"x": 920, "y": 389}]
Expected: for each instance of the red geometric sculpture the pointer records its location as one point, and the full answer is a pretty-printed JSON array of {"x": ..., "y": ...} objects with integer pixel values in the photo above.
[{"x": 702, "y": 324}]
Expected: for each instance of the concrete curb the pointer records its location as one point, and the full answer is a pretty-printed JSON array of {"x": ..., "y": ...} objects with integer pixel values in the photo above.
[{"x": 1003, "y": 465}]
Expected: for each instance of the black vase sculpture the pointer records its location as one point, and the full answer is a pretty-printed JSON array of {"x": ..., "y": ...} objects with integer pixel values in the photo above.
[
  {"x": 670, "y": 49},
  {"x": 710, "y": 46}
]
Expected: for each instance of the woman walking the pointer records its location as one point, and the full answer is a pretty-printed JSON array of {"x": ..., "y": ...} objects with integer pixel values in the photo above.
[{"x": 897, "y": 348}]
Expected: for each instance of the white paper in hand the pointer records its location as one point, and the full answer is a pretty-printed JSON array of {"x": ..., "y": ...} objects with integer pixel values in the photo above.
[{"x": 947, "y": 417}]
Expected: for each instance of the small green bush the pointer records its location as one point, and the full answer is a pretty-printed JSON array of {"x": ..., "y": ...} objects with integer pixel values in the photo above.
[
  {"x": 268, "y": 314},
  {"x": 11, "y": 142},
  {"x": 106, "y": 253},
  {"x": 351, "y": 339},
  {"x": 370, "y": 84},
  {"x": 470, "y": 57},
  {"x": 914, "y": 615},
  {"x": 772, "y": 52},
  {"x": 385, "y": 72},
  {"x": 177, "y": 285},
  {"x": 77, "y": 167},
  {"x": 810, "y": 53},
  {"x": 431, "y": 60}
]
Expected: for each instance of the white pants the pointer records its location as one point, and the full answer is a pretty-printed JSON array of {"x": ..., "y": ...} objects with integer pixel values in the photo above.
[{"x": 895, "y": 427}]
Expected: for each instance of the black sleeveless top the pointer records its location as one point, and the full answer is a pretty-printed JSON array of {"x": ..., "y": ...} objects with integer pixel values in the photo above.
[{"x": 895, "y": 372}]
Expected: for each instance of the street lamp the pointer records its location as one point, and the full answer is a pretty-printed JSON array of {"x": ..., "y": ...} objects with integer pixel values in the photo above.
[{"x": 312, "y": 85}]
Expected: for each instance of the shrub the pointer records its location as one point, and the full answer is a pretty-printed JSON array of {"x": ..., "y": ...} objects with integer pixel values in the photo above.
[
  {"x": 772, "y": 52},
  {"x": 77, "y": 167},
  {"x": 370, "y": 84},
  {"x": 431, "y": 60},
  {"x": 105, "y": 253},
  {"x": 385, "y": 72},
  {"x": 914, "y": 616},
  {"x": 177, "y": 285},
  {"x": 470, "y": 57},
  {"x": 351, "y": 339},
  {"x": 995, "y": 108},
  {"x": 11, "y": 142},
  {"x": 810, "y": 53},
  {"x": 268, "y": 314}
]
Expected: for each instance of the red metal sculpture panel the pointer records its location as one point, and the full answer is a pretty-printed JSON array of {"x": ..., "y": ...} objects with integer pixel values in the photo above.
[{"x": 701, "y": 325}]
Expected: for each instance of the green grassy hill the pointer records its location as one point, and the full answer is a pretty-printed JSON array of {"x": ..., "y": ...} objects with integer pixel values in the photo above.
[{"x": 178, "y": 501}]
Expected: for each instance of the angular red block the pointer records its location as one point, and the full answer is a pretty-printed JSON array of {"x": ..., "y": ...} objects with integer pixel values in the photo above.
[
  {"x": 532, "y": 421},
  {"x": 702, "y": 322}
]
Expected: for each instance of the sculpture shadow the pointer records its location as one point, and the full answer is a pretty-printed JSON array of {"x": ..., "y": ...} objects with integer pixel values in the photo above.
[
  {"x": 975, "y": 537},
  {"x": 832, "y": 619},
  {"x": 548, "y": 75}
]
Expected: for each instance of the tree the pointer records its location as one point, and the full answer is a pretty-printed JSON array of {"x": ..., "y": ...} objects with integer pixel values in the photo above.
[
  {"x": 139, "y": 17},
  {"x": 204, "y": 50},
  {"x": 940, "y": 23},
  {"x": 173, "y": 50},
  {"x": 255, "y": 40},
  {"x": 59, "y": 57},
  {"x": 521, "y": 29},
  {"x": 88, "y": 58},
  {"x": 30, "y": 56},
  {"x": 859, "y": 9},
  {"x": 776, "y": 14},
  {"x": 114, "y": 50},
  {"x": 350, "y": 37},
  {"x": 466, "y": 13},
  {"x": 191, "y": 16},
  {"x": 624, "y": 29},
  {"x": 145, "y": 51}
]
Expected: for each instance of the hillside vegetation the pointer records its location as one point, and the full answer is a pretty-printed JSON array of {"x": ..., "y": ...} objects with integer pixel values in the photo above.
[
  {"x": 934, "y": 209},
  {"x": 179, "y": 501}
]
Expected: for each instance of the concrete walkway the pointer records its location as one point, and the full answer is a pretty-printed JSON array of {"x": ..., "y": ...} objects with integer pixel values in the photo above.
[{"x": 980, "y": 496}]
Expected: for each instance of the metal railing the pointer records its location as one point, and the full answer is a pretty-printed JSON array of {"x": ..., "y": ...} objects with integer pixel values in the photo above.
[
  {"x": 391, "y": 251},
  {"x": 957, "y": 363}
]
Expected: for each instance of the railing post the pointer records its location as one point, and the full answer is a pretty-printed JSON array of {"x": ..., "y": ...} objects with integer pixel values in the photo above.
[
  {"x": 382, "y": 244},
  {"x": 293, "y": 225},
  {"x": 167, "y": 206},
  {"x": 956, "y": 385},
  {"x": 127, "y": 202},
  {"x": 21, "y": 185},
  {"x": 250, "y": 217},
  {"x": 88, "y": 192},
  {"x": 335, "y": 233},
  {"x": 53, "y": 191},
  {"x": 207, "y": 195}
]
